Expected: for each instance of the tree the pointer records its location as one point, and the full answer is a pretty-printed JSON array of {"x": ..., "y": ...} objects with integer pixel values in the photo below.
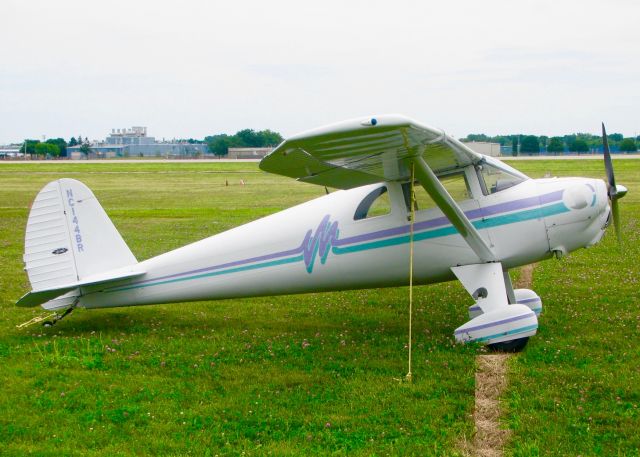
[
  {"x": 218, "y": 144},
  {"x": 47, "y": 150},
  {"x": 477, "y": 137},
  {"x": 248, "y": 138},
  {"x": 515, "y": 144},
  {"x": 555, "y": 145},
  {"x": 269, "y": 138},
  {"x": 85, "y": 148},
  {"x": 530, "y": 145},
  {"x": 29, "y": 147},
  {"x": 579, "y": 145},
  {"x": 628, "y": 145},
  {"x": 62, "y": 145},
  {"x": 544, "y": 142},
  {"x": 54, "y": 150},
  {"x": 615, "y": 137},
  {"x": 73, "y": 141},
  {"x": 40, "y": 149}
]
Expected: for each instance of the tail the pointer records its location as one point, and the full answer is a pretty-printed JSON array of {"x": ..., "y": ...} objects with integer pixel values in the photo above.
[{"x": 70, "y": 242}]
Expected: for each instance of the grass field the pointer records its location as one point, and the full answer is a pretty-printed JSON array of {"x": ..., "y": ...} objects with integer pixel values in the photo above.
[{"x": 305, "y": 374}]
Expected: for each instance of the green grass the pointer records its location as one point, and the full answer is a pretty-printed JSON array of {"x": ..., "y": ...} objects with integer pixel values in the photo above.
[
  {"x": 305, "y": 374},
  {"x": 576, "y": 389}
]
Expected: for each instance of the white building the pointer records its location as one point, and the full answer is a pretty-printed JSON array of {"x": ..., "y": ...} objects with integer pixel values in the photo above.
[{"x": 482, "y": 147}]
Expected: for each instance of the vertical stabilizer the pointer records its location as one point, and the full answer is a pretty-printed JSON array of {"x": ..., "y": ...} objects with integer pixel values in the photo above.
[{"x": 69, "y": 237}]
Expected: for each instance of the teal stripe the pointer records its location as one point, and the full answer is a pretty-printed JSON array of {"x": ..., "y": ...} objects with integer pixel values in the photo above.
[
  {"x": 444, "y": 231},
  {"x": 510, "y": 332},
  {"x": 272, "y": 263},
  {"x": 522, "y": 216},
  {"x": 527, "y": 215}
]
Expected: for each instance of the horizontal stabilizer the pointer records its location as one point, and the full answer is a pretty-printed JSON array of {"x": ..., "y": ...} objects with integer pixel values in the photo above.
[{"x": 39, "y": 297}]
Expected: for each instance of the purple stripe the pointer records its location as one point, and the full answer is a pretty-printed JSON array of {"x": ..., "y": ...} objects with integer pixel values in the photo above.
[
  {"x": 226, "y": 265},
  {"x": 493, "y": 324},
  {"x": 437, "y": 222},
  {"x": 441, "y": 221},
  {"x": 528, "y": 300},
  {"x": 551, "y": 197}
]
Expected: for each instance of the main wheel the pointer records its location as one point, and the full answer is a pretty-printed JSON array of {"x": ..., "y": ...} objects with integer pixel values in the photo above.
[{"x": 516, "y": 345}]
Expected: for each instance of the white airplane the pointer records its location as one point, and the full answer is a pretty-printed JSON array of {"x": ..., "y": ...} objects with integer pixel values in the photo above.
[{"x": 478, "y": 219}]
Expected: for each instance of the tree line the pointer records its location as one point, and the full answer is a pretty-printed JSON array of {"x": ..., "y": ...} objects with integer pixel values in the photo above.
[
  {"x": 247, "y": 138},
  {"x": 576, "y": 142},
  {"x": 54, "y": 147},
  {"x": 219, "y": 144}
]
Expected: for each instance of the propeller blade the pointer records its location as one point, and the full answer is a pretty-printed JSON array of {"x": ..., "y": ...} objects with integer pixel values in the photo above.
[
  {"x": 608, "y": 165},
  {"x": 613, "y": 193},
  {"x": 616, "y": 219}
]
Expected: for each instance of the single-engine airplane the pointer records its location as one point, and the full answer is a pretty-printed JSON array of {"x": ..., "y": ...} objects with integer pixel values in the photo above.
[{"x": 412, "y": 200}]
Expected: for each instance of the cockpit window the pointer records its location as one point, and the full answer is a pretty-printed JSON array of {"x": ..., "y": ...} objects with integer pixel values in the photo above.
[
  {"x": 494, "y": 179},
  {"x": 376, "y": 203}
]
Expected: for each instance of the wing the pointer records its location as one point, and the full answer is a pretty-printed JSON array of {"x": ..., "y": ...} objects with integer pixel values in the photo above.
[{"x": 358, "y": 152}]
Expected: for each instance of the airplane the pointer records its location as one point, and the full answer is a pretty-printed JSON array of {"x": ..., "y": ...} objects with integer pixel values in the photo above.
[{"x": 413, "y": 206}]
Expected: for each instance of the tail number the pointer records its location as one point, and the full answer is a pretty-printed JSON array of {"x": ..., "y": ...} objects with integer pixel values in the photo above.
[{"x": 77, "y": 235}]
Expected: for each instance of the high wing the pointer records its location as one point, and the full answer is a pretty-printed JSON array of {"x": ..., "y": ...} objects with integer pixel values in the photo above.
[
  {"x": 357, "y": 152},
  {"x": 386, "y": 148}
]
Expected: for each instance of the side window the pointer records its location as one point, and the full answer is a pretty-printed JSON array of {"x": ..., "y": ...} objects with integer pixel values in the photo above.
[
  {"x": 494, "y": 179},
  {"x": 423, "y": 200},
  {"x": 456, "y": 184},
  {"x": 376, "y": 203}
]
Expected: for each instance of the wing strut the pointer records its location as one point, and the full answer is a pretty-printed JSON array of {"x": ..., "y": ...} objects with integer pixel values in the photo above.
[{"x": 449, "y": 207}]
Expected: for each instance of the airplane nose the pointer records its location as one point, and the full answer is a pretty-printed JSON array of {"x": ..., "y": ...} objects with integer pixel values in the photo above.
[
  {"x": 607, "y": 221},
  {"x": 603, "y": 205},
  {"x": 602, "y": 194}
]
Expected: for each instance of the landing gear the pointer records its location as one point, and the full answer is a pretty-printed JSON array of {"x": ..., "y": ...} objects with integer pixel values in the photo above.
[
  {"x": 498, "y": 319},
  {"x": 516, "y": 345},
  {"x": 58, "y": 317}
]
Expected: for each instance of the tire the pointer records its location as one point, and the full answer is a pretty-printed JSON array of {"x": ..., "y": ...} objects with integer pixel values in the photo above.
[{"x": 516, "y": 345}]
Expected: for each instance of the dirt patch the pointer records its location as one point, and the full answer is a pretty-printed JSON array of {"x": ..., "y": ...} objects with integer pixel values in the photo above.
[
  {"x": 491, "y": 380},
  {"x": 526, "y": 277},
  {"x": 490, "y": 383}
]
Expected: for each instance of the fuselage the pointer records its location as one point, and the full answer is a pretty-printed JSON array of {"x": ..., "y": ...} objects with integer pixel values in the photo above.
[{"x": 333, "y": 243}]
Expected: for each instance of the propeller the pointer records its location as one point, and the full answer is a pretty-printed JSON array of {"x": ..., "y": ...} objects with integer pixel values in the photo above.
[{"x": 614, "y": 191}]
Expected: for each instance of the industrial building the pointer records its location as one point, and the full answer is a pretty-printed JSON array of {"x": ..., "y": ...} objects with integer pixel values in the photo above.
[
  {"x": 10, "y": 151},
  {"x": 134, "y": 142},
  {"x": 248, "y": 153}
]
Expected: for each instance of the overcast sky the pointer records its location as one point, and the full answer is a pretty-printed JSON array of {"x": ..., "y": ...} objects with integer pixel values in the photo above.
[{"x": 193, "y": 68}]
